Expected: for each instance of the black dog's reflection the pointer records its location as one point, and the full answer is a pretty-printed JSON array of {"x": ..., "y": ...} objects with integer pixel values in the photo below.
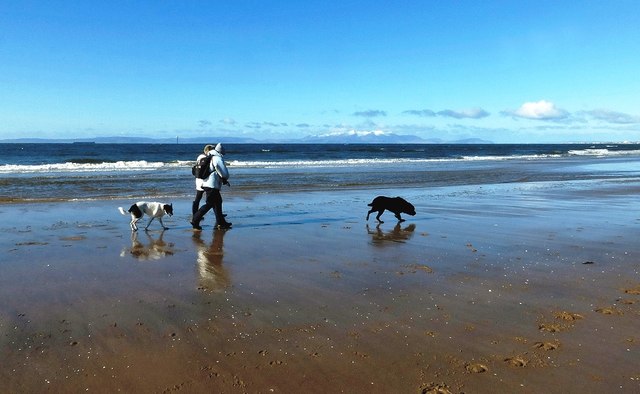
[
  {"x": 154, "y": 250},
  {"x": 398, "y": 234},
  {"x": 213, "y": 276}
]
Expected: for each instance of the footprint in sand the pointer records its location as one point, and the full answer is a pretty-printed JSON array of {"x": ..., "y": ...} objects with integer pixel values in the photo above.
[
  {"x": 552, "y": 327},
  {"x": 634, "y": 290},
  {"x": 546, "y": 345},
  {"x": 563, "y": 316},
  {"x": 517, "y": 361},
  {"x": 476, "y": 368},
  {"x": 568, "y": 316},
  {"x": 609, "y": 310},
  {"x": 436, "y": 388},
  {"x": 422, "y": 267}
]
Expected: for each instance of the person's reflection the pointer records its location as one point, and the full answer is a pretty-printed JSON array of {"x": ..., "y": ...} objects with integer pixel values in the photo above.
[
  {"x": 155, "y": 249},
  {"x": 398, "y": 234},
  {"x": 212, "y": 274}
]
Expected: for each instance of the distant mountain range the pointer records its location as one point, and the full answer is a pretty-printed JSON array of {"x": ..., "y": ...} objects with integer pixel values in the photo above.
[{"x": 334, "y": 138}]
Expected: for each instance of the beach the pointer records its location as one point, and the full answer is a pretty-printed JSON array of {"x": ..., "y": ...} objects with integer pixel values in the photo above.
[{"x": 519, "y": 287}]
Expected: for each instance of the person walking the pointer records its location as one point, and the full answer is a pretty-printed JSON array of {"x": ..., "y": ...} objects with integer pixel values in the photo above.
[
  {"x": 199, "y": 190},
  {"x": 212, "y": 186}
]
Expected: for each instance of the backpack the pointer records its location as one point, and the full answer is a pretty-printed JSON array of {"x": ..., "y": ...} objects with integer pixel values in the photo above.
[{"x": 202, "y": 169}]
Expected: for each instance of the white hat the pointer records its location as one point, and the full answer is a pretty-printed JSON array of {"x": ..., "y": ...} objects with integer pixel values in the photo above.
[{"x": 220, "y": 149}]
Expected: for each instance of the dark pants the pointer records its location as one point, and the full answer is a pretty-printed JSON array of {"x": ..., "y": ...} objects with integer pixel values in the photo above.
[
  {"x": 196, "y": 203},
  {"x": 213, "y": 201}
]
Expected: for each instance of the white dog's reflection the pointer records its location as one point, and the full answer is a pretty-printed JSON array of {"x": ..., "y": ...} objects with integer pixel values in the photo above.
[
  {"x": 212, "y": 274},
  {"x": 155, "y": 249}
]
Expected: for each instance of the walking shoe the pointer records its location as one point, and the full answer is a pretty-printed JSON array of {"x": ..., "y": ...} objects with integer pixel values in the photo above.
[
  {"x": 195, "y": 226},
  {"x": 223, "y": 226}
]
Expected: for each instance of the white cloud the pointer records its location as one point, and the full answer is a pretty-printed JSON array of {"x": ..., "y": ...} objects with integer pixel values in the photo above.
[
  {"x": 228, "y": 121},
  {"x": 613, "y": 116},
  {"x": 359, "y": 133},
  {"x": 420, "y": 112},
  {"x": 370, "y": 113},
  {"x": 539, "y": 110},
  {"x": 472, "y": 113}
]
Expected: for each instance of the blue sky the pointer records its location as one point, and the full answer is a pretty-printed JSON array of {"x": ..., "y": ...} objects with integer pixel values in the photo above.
[{"x": 505, "y": 71}]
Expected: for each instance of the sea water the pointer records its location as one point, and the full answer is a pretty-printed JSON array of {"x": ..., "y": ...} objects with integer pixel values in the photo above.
[{"x": 88, "y": 171}]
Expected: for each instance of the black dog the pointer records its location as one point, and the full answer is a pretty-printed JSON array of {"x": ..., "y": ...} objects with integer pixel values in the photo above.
[{"x": 397, "y": 205}]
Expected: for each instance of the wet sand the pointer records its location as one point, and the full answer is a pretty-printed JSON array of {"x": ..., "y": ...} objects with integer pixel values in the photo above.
[{"x": 522, "y": 288}]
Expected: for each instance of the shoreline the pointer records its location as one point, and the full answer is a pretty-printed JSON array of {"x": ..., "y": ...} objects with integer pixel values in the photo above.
[
  {"x": 513, "y": 287},
  {"x": 175, "y": 182}
]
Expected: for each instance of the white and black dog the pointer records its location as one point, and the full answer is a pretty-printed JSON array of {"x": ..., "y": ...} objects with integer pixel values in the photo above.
[{"x": 152, "y": 209}]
